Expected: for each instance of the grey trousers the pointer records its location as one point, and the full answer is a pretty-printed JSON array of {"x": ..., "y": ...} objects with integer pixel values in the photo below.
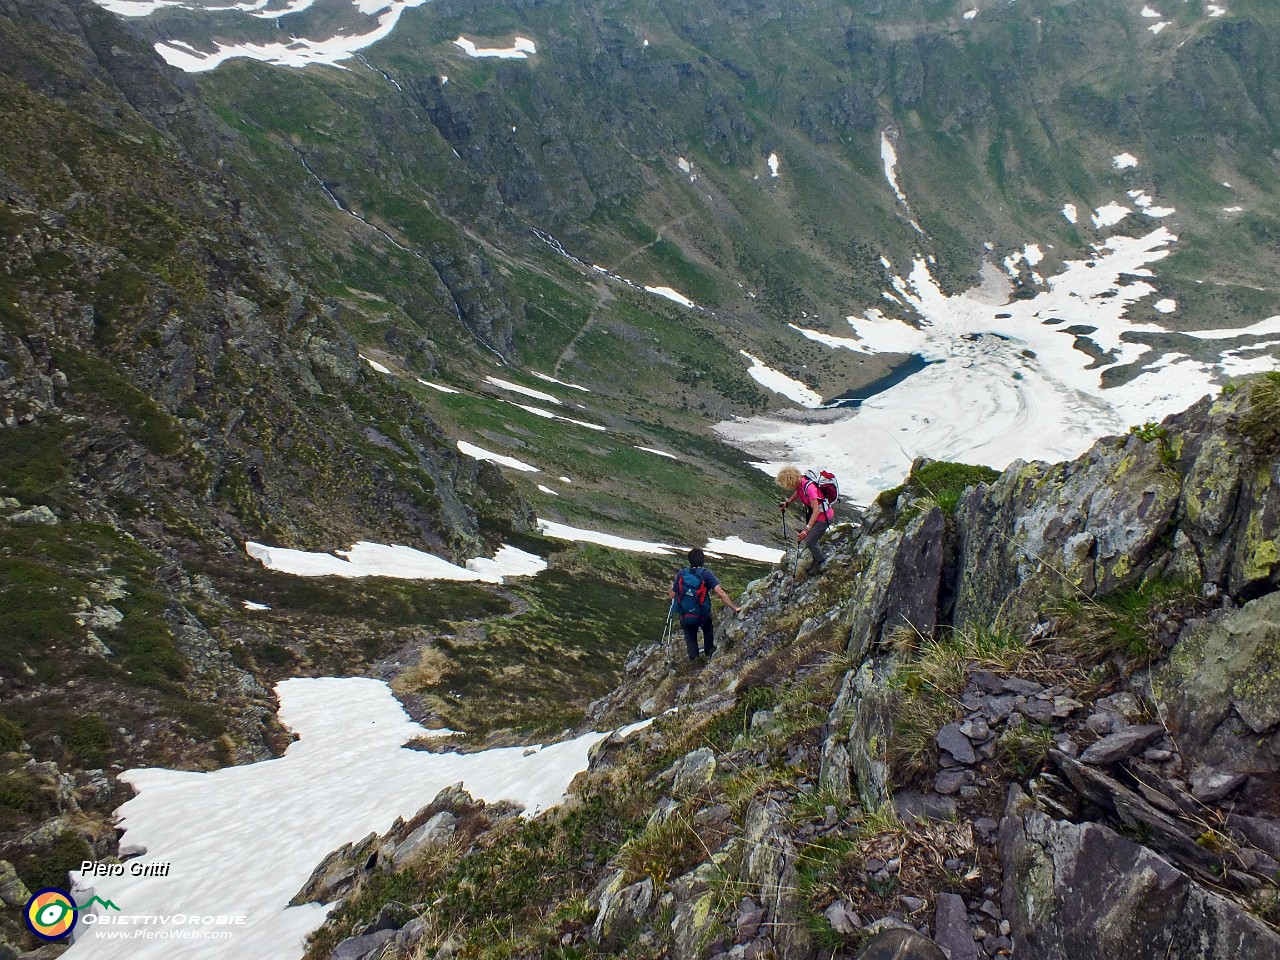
[{"x": 811, "y": 540}]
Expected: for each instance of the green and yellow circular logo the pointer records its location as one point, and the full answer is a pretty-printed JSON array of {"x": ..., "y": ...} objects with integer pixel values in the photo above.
[{"x": 51, "y": 913}]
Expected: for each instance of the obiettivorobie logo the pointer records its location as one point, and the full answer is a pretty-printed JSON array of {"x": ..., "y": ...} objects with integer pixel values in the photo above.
[{"x": 52, "y": 914}]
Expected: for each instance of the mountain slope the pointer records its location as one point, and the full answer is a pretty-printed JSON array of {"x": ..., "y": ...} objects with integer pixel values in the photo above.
[
  {"x": 168, "y": 389},
  {"x": 1000, "y": 120},
  {"x": 632, "y": 150}
]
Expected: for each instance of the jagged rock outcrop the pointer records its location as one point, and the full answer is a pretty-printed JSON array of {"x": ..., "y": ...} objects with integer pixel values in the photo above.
[
  {"x": 1083, "y": 892},
  {"x": 1091, "y": 744},
  {"x": 1190, "y": 500},
  {"x": 839, "y": 770},
  {"x": 342, "y": 871}
]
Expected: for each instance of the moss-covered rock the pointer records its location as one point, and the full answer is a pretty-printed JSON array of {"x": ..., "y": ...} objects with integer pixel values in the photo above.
[{"x": 1219, "y": 691}]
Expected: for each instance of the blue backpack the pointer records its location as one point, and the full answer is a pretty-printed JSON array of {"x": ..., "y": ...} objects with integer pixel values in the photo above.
[{"x": 693, "y": 599}]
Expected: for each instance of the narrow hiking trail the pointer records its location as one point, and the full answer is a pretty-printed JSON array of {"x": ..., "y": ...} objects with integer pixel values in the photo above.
[{"x": 658, "y": 238}]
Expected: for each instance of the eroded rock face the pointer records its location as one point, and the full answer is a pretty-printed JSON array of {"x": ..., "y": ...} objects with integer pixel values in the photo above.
[
  {"x": 899, "y": 587},
  {"x": 854, "y": 760},
  {"x": 693, "y": 772},
  {"x": 770, "y": 868},
  {"x": 1083, "y": 892},
  {"x": 1067, "y": 878},
  {"x": 620, "y": 907}
]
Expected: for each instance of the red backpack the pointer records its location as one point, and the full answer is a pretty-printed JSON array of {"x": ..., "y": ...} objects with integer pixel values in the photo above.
[{"x": 828, "y": 485}]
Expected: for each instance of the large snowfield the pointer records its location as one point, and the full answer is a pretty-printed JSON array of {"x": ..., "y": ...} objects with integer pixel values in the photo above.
[{"x": 241, "y": 841}]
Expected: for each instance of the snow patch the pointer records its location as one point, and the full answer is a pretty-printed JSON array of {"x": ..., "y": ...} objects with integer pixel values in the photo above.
[
  {"x": 780, "y": 383},
  {"x": 881, "y": 334},
  {"x": 1124, "y": 161},
  {"x": 527, "y": 391},
  {"x": 375, "y": 364},
  {"x": 670, "y": 294},
  {"x": 563, "y": 383},
  {"x": 561, "y": 531},
  {"x": 509, "y": 561},
  {"x": 1259, "y": 329},
  {"x": 1110, "y": 215},
  {"x": 1069, "y": 211},
  {"x": 549, "y": 415},
  {"x": 479, "y": 453},
  {"x": 1165, "y": 306},
  {"x": 251, "y": 605},
  {"x": 660, "y": 453},
  {"x": 520, "y": 49},
  {"x": 297, "y": 52},
  {"x": 737, "y": 547},
  {"x": 1236, "y": 364},
  {"x": 345, "y": 776},
  {"x": 1142, "y": 200},
  {"x": 889, "y": 157},
  {"x": 827, "y": 340},
  {"x": 366, "y": 559},
  {"x": 773, "y": 165},
  {"x": 436, "y": 386}
]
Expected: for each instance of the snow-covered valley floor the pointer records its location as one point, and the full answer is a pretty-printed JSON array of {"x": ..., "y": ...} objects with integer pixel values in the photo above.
[{"x": 1006, "y": 378}]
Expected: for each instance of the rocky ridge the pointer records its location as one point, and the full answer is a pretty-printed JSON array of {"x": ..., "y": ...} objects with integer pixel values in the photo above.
[{"x": 1039, "y": 725}]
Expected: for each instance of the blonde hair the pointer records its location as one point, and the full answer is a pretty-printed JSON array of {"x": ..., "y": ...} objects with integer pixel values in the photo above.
[{"x": 788, "y": 477}]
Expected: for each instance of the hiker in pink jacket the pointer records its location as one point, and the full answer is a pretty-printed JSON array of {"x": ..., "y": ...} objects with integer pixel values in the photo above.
[{"x": 807, "y": 492}]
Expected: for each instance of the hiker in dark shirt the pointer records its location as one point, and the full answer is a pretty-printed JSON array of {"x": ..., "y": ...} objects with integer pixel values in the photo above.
[
  {"x": 808, "y": 493},
  {"x": 691, "y": 600}
]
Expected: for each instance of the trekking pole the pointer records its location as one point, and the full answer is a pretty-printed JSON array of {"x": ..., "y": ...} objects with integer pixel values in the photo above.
[
  {"x": 667, "y": 636},
  {"x": 786, "y": 538},
  {"x": 786, "y": 542}
]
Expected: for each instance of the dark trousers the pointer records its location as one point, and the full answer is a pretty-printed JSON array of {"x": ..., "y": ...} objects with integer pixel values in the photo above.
[
  {"x": 813, "y": 536},
  {"x": 691, "y": 637}
]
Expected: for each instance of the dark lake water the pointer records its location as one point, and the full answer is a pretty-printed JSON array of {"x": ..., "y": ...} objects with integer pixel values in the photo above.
[{"x": 854, "y": 398}]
